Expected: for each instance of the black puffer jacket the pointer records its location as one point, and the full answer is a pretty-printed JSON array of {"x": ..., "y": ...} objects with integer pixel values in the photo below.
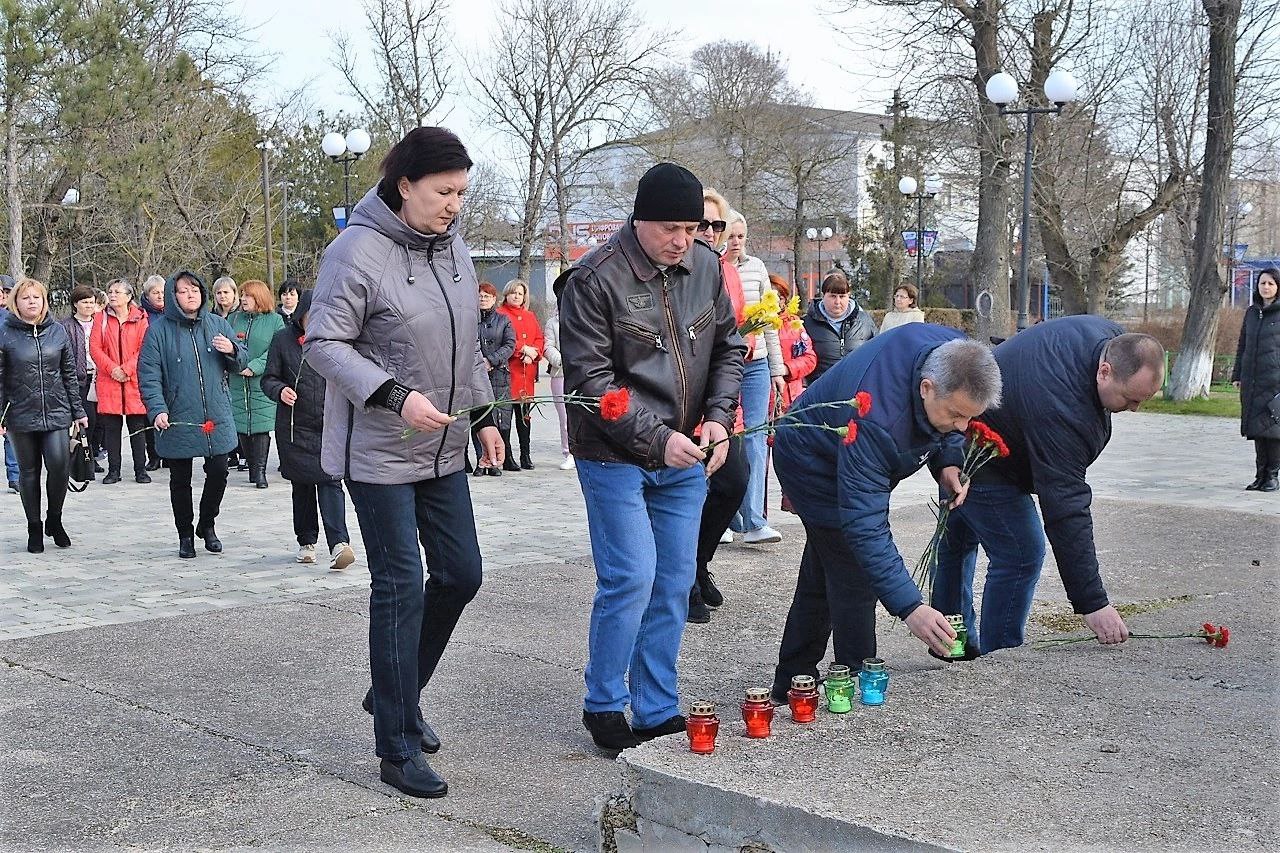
[
  {"x": 298, "y": 427},
  {"x": 1258, "y": 368},
  {"x": 856, "y": 329},
  {"x": 497, "y": 343},
  {"x": 39, "y": 391}
]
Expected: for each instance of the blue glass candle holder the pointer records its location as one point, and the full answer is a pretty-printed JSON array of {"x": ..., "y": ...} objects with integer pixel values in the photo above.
[{"x": 873, "y": 682}]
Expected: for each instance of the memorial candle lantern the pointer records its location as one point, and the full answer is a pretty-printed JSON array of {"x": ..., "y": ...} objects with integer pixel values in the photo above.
[
  {"x": 803, "y": 698},
  {"x": 839, "y": 687},
  {"x": 702, "y": 726},
  {"x": 757, "y": 712},
  {"x": 957, "y": 645},
  {"x": 873, "y": 681}
]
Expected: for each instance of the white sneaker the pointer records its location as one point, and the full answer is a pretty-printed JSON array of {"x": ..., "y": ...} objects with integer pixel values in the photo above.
[
  {"x": 726, "y": 538},
  {"x": 568, "y": 464},
  {"x": 342, "y": 556},
  {"x": 764, "y": 535},
  {"x": 306, "y": 553}
]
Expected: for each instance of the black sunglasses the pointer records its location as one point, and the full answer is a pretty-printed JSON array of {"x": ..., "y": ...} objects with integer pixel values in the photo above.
[{"x": 717, "y": 225}]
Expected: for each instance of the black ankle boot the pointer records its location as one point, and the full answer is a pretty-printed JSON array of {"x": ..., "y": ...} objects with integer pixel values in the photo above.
[
  {"x": 187, "y": 547},
  {"x": 698, "y": 612},
  {"x": 711, "y": 595},
  {"x": 53, "y": 527},
  {"x": 35, "y": 537},
  {"x": 1271, "y": 483},
  {"x": 212, "y": 543}
]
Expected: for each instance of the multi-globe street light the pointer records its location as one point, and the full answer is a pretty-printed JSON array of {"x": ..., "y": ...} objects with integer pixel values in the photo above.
[
  {"x": 816, "y": 235},
  {"x": 1060, "y": 89},
  {"x": 908, "y": 186},
  {"x": 346, "y": 150},
  {"x": 70, "y": 199}
]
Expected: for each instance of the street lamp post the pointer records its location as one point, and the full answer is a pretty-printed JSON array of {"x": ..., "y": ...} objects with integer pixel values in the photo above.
[
  {"x": 1239, "y": 211},
  {"x": 346, "y": 150},
  {"x": 266, "y": 147},
  {"x": 814, "y": 235},
  {"x": 932, "y": 186},
  {"x": 284, "y": 213},
  {"x": 1060, "y": 89},
  {"x": 70, "y": 198}
]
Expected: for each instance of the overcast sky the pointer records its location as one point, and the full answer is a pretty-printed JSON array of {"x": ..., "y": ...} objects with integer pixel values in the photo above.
[{"x": 298, "y": 33}]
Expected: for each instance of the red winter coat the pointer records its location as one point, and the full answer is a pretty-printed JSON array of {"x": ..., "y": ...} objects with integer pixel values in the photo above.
[
  {"x": 528, "y": 333},
  {"x": 114, "y": 344},
  {"x": 798, "y": 355}
]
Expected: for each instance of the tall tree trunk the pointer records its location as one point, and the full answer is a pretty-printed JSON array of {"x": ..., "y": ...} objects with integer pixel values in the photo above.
[
  {"x": 12, "y": 193},
  {"x": 991, "y": 252},
  {"x": 1193, "y": 370}
]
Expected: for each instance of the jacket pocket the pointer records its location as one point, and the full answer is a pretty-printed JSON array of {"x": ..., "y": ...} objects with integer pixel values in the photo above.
[
  {"x": 642, "y": 334},
  {"x": 698, "y": 326}
]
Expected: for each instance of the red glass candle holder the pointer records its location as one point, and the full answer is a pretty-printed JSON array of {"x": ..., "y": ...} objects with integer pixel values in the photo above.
[
  {"x": 757, "y": 712},
  {"x": 803, "y": 699},
  {"x": 702, "y": 725}
]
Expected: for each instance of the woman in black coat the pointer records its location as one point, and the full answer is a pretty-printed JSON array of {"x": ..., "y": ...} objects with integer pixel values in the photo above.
[
  {"x": 39, "y": 400},
  {"x": 836, "y": 325},
  {"x": 293, "y": 383},
  {"x": 1257, "y": 375},
  {"x": 497, "y": 343}
]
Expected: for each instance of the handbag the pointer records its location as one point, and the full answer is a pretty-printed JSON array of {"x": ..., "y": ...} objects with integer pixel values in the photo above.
[{"x": 80, "y": 466}]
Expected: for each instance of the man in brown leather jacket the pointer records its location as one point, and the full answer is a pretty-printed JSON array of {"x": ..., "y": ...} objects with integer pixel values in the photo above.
[{"x": 647, "y": 312}]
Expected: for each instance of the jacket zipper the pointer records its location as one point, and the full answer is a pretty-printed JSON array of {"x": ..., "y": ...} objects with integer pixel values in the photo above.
[
  {"x": 640, "y": 331},
  {"x": 204, "y": 401},
  {"x": 248, "y": 409},
  {"x": 698, "y": 325},
  {"x": 44, "y": 407},
  {"x": 675, "y": 349},
  {"x": 120, "y": 359},
  {"x": 453, "y": 336}
]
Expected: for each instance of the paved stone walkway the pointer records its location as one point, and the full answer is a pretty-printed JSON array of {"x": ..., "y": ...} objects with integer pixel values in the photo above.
[{"x": 123, "y": 566}]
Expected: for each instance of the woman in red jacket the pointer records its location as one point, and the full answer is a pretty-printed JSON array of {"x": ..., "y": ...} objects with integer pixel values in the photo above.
[
  {"x": 798, "y": 354},
  {"x": 114, "y": 344},
  {"x": 523, "y": 365}
]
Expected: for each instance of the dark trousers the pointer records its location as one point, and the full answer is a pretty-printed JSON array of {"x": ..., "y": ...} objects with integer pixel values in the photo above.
[
  {"x": 725, "y": 490},
  {"x": 51, "y": 448},
  {"x": 834, "y": 598},
  {"x": 1267, "y": 452},
  {"x": 215, "y": 485},
  {"x": 520, "y": 414},
  {"x": 409, "y": 625},
  {"x": 113, "y": 426},
  {"x": 91, "y": 410},
  {"x": 150, "y": 437},
  {"x": 333, "y": 512}
]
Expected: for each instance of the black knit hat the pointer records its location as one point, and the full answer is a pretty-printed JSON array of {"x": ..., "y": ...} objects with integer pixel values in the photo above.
[{"x": 669, "y": 193}]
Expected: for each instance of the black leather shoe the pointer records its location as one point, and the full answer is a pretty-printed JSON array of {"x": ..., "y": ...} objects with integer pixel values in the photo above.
[
  {"x": 698, "y": 612},
  {"x": 478, "y": 472},
  {"x": 1253, "y": 487},
  {"x": 414, "y": 777},
  {"x": 494, "y": 472},
  {"x": 1271, "y": 483},
  {"x": 509, "y": 464},
  {"x": 711, "y": 595},
  {"x": 142, "y": 477},
  {"x": 112, "y": 478},
  {"x": 98, "y": 469},
  {"x": 430, "y": 741},
  {"x": 187, "y": 547},
  {"x": 526, "y": 463},
  {"x": 610, "y": 730},
  {"x": 154, "y": 464},
  {"x": 35, "y": 538},
  {"x": 212, "y": 543},
  {"x": 672, "y": 726}
]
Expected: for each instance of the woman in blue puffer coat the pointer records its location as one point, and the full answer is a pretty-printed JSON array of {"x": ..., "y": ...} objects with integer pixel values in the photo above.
[{"x": 183, "y": 369}]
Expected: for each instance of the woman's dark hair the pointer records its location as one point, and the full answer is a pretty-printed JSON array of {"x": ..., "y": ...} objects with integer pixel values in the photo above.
[
  {"x": 1271, "y": 271},
  {"x": 81, "y": 291},
  {"x": 290, "y": 286},
  {"x": 423, "y": 151},
  {"x": 835, "y": 283}
]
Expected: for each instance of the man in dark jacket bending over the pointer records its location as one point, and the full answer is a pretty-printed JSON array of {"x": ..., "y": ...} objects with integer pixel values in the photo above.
[
  {"x": 647, "y": 312},
  {"x": 1062, "y": 381},
  {"x": 925, "y": 382}
]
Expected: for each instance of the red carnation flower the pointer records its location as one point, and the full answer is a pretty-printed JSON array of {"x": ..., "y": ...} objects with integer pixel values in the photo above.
[
  {"x": 614, "y": 404},
  {"x": 1218, "y": 636},
  {"x": 208, "y": 427},
  {"x": 863, "y": 401},
  {"x": 302, "y": 339},
  {"x": 850, "y": 433},
  {"x": 239, "y": 336},
  {"x": 769, "y": 440}
]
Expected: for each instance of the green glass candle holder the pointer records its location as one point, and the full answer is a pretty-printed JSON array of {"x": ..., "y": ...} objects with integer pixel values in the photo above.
[
  {"x": 839, "y": 688},
  {"x": 958, "y": 644}
]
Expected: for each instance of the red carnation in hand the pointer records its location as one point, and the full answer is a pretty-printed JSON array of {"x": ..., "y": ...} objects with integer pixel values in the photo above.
[
  {"x": 614, "y": 404},
  {"x": 208, "y": 427},
  {"x": 850, "y": 433},
  {"x": 239, "y": 336},
  {"x": 863, "y": 401}
]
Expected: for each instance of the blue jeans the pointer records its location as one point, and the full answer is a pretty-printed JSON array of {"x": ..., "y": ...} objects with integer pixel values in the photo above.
[
  {"x": 755, "y": 411},
  {"x": 1003, "y": 520},
  {"x": 644, "y": 537},
  {"x": 409, "y": 627},
  {"x": 10, "y": 460}
]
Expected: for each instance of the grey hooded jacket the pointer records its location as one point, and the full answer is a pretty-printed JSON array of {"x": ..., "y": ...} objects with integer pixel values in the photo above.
[{"x": 392, "y": 303}]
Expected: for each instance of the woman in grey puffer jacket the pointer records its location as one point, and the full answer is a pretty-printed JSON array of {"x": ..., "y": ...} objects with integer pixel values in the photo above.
[
  {"x": 393, "y": 331},
  {"x": 39, "y": 398}
]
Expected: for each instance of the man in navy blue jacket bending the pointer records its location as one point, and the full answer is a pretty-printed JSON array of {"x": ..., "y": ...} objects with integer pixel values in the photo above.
[
  {"x": 1062, "y": 381},
  {"x": 926, "y": 382}
]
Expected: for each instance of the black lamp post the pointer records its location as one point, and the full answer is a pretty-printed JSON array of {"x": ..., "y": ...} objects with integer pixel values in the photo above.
[
  {"x": 932, "y": 186},
  {"x": 346, "y": 150}
]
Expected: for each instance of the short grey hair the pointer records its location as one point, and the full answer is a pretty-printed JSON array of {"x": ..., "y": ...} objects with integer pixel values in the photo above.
[
  {"x": 152, "y": 283},
  {"x": 964, "y": 365},
  {"x": 121, "y": 282}
]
